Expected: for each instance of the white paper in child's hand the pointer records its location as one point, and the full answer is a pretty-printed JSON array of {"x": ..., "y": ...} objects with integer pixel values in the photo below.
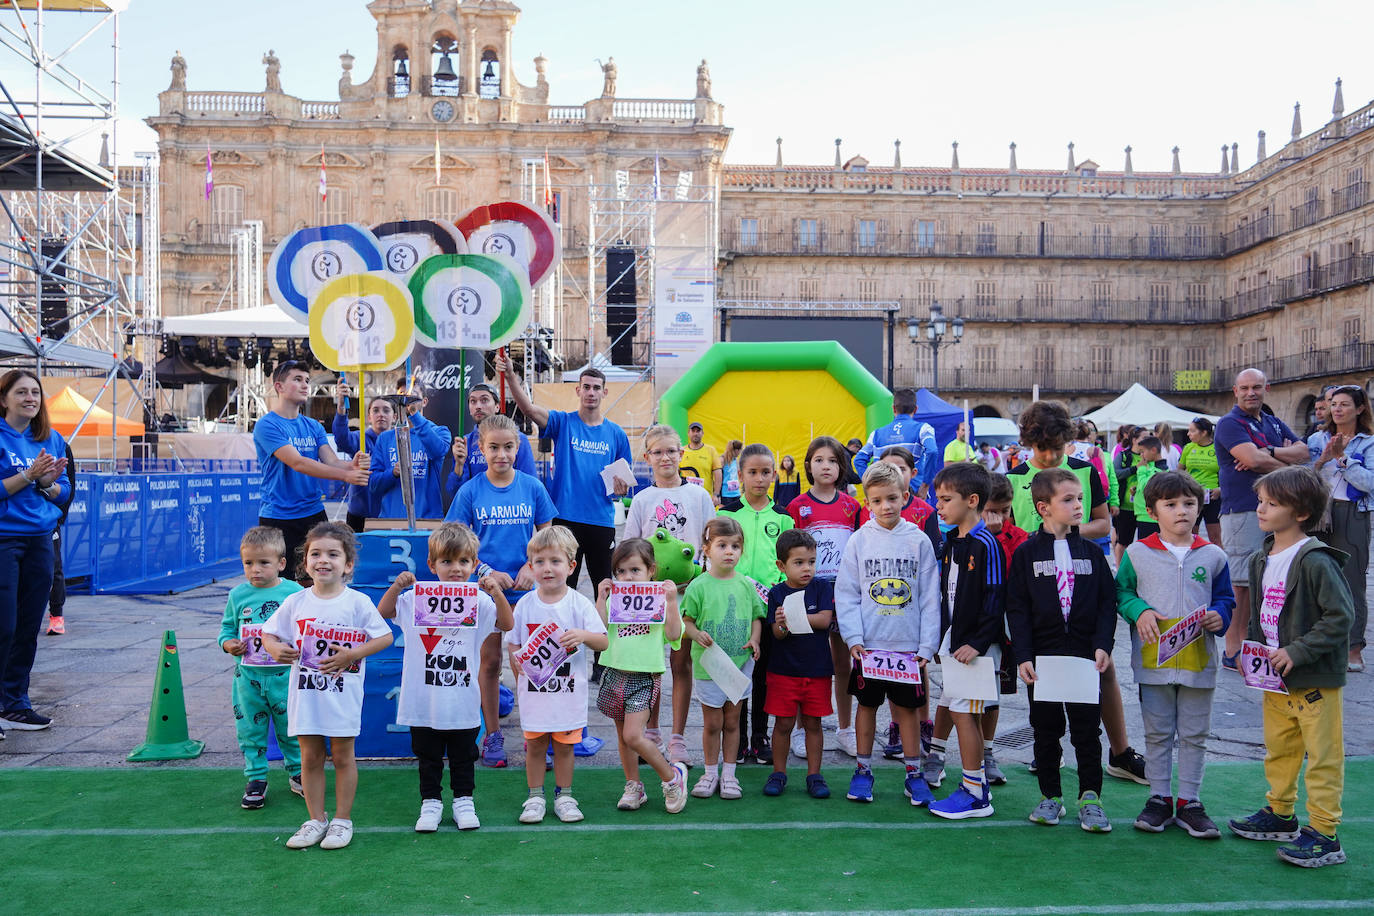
[
  {"x": 1066, "y": 679},
  {"x": 618, "y": 469},
  {"x": 975, "y": 681},
  {"x": 794, "y": 612},
  {"x": 731, "y": 680}
]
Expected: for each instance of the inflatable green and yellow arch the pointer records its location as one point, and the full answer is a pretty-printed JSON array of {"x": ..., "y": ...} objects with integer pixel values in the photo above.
[{"x": 781, "y": 394}]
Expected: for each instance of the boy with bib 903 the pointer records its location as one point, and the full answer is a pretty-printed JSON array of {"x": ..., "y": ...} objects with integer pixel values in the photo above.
[{"x": 1167, "y": 579}]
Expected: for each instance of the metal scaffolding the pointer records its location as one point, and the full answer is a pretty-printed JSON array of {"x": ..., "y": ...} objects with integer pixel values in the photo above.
[{"x": 70, "y": 271}]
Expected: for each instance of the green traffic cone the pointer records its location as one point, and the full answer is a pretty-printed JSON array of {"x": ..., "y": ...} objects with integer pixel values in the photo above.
[{"x": 167, "y": 735}]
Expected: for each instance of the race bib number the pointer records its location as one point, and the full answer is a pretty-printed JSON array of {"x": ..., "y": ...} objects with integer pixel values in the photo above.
[
  {"x": 254, "y": 656},
  {"x": 759, "y": 589},
  {"x": 445, "y": 605},
  {"x": 1186, "y": 631},
  {"x": 694, "y": 480},
  {"x": 887, "y": 665},
  {"x": 638, "y": 602},
  {"x": 542, "y": 655},
  {"x": 319, "y": 642},
  {"x": 1256, "y": 669}
]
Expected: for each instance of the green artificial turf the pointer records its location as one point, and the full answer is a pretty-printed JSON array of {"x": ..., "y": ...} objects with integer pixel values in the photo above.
[{"x": 162, "y": 840}]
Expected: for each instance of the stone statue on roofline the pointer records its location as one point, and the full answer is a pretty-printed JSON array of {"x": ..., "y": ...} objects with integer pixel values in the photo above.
[
  {"x": 178, "y": 69},
  {"x": 703, "y": 80},
  {"x": 273, "y": 66},
  {"x": 608, "y": 70}
]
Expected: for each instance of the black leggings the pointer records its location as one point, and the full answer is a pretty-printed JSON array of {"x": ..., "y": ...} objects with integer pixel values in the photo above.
[
  {"x": 594, "y": 543},
  {"x": 431, "y": 745},
  {"x": 294, "y": 531},
  {"x": 1085, "y": 733}
]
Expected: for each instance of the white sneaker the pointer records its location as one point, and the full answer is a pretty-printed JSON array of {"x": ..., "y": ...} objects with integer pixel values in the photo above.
[
  {"x": 532, "y": 812},
  {"x": 848, "y": 743},
  {"x": 431, "y": 812},
  {"x": 311, "y": 832},
  {"x": 339, "y": 834},
  {"x": 706, "y": 785},
  {"x": 799, "y": 743},
  {"x": 730, "y": 788},
  {"x": 633, "y": 797},
  {"x": 675, "y": 789},
  {"x": 465, "y": 813},
  {"x": 565, "y": 806}
]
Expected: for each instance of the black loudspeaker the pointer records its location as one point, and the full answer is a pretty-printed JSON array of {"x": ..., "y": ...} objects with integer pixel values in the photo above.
[
  {"x": 620, "y": 276},
  {"x": 620, "y": 328},
  {"x": 54, "y": 313}
]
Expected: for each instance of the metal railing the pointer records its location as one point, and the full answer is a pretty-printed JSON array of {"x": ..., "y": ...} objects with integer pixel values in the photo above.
[
  {"x": 429, "y": 86},
  {"x": 880, "y": 242},
  {"x": 1325, "y": 278},
  {"x": 1262, "y": 229},
  {"x": 1086, "y": 310}
]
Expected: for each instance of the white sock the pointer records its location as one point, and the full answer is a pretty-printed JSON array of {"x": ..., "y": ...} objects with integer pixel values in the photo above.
[
  {"x": 728, "y": 771},
  {"x": 711, "y": 770}
]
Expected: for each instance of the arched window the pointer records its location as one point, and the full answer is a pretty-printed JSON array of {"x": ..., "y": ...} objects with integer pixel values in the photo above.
[
  {"x": 398, "y": 84},
  {"x": 489, "y": 76},
  {"x": 443, "y": 66},
  {"x": 226, "y": 212}
]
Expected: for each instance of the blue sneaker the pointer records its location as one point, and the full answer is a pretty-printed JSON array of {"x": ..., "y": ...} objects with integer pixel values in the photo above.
[
  {"x": 816, "y": 787},
  {"x": 1313, "y": 850},
  {"x": 861, "y": 785},
  {"x": 494, "y": 750},
  {"x": 916, "y": 789},
  {"x": 1264, "y": 824},
  {"x": 962, "y": 803},
  {"x": 775, "y": 784}
]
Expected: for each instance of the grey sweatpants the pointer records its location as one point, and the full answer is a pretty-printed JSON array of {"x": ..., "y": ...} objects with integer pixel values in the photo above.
[{"x": 1170, "y": 710}]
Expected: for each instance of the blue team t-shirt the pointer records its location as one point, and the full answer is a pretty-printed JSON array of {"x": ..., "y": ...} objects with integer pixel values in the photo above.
[
  {"x": 1237, "y": 486},
  {"x": 288, "y": 494},
  {"x": 807, "y": 654},
  {"x": 503, "y": 518},
  {"x": 429, "y": 443},
  {"x": 475, "y": 465},
  {"x": 580, "y": 452}
]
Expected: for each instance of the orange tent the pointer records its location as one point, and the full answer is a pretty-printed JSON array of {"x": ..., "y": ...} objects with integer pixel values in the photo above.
[{"x": 66, "y": 408}]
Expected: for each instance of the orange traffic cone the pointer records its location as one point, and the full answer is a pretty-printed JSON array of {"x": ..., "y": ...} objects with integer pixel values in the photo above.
[{"x": 167, "y": 735}]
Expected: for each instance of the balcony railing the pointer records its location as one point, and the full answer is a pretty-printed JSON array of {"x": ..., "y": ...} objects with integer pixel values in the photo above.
[
  {"x": 1348, "y": 198},
  {"x": 429, "y": 86},
  {"x": 1086, "y": 311},
  {"x": 654, "y": 110},
  {"x": 887, "y": 243},
  {"x": 1326, "y": 278},
  {"x": 1306, "y": 213},
  {"x": 221, "y": 103},
  {"x": 1249, "y": 235}
]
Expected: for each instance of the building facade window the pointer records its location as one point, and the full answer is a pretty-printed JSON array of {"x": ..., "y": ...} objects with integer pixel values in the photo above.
[
  {"x": 748, "y": 232},
  {"x": 808, "y": 233},
  {"x": 226, "y": 212}
]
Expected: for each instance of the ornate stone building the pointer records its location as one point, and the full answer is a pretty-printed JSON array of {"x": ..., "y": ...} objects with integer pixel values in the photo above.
[
  {"x": 444, "y": 75},
  {"x": 1081, "y": 280}
]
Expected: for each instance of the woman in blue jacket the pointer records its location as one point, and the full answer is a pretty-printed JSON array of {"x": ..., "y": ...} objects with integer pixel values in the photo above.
[{"x": 34, "y": 490}]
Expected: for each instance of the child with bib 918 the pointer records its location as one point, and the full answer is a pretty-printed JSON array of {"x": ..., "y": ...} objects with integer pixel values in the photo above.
[
  {"x": 721, "y": 608},
  {"x": 325, "y": 632},
  {"x": 556, "y": 630},
  {"x": 1163, "y": 579},
  {"x": 633, "y": 669},
  {"x": 440, "y": 699}
]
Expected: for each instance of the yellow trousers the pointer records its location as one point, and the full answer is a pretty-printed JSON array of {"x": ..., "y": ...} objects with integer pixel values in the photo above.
[{"x": 1307, "y": 722}]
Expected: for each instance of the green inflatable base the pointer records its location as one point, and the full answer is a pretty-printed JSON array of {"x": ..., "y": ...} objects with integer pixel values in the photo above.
[{"x": 181, "y": 750}]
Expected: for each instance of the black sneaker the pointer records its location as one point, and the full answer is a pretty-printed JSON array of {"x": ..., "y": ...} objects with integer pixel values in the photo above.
[
  {"x": 25, "y": 720},
  {"x": 1127, "y": 765},
  {"x": 1313, "y": 850},
  {"x": 1158, "y": 814},
  {"x": 255, "y": 794},
  {"x": 762, "y": 751},
  {"x": 1192, "y": 817},
  {"x": 1264, "y": 824}
]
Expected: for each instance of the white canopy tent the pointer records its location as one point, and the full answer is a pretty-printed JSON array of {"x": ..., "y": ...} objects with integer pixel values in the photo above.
[
  {"x": 1141, "y": 407},
  {"x": 266, "y": 321}
]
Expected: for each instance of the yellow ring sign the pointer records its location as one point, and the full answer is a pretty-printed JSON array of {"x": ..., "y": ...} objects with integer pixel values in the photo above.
[{"x": 362, "y": 321}]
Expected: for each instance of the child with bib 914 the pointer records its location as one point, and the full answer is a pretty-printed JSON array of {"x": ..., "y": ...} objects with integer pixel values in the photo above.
[
  {"x": 325, "y": 632},
  {"x": 556, "y": 630},
  {"x": 633, "y": 669},
  {"x": 440, "y": 699},
  {"x": 721, "y": 608},
  {"x": 1164, "y": 579},
  {"x": 260, "y": 685}
]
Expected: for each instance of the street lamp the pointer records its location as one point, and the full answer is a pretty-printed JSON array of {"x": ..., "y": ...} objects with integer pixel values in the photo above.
[{"x": 936, "y": 328}]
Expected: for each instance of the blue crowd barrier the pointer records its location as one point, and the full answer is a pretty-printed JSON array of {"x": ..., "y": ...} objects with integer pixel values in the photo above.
[{"x": 158, "y": 533}]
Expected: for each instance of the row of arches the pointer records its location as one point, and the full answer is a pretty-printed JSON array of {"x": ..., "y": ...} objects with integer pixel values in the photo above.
[{"x": 441, "y": 74}]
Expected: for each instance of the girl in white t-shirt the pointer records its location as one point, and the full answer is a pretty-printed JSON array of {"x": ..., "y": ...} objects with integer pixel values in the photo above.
[
  {"x": 325, "y": 633},
  {"x": 441, "y": 700},
  {"x": 682, "y": 509}
]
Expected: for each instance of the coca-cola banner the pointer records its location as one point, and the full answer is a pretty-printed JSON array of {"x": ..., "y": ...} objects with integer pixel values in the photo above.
[{"x": 447, "y": 377}]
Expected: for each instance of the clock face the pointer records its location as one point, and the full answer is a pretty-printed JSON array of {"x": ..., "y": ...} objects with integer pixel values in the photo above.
[{"x": 442, "y": 111}]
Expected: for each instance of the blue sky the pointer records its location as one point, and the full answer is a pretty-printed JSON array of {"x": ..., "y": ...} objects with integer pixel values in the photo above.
[{"x": 1195, "y": 74}]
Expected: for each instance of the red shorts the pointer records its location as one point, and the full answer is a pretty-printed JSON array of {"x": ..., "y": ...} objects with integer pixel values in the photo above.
[{"x": 786, "y": 693}]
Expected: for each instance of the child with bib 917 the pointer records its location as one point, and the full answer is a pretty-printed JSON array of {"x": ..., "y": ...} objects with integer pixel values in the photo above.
[
  {"x": 721, "y": 608},
  {"x": 633, "y": 669},
  {"x": 1164, "y": 578},
  {"x": 440, "y": 699},
  {"x": 325, "y": 632}
]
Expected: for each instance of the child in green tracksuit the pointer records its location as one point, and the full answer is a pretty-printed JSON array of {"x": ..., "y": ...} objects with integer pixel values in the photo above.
[
  {"x": 762, "y": 521},
  {"x": 260, "y": 684},
  {"x": 1148, "y": 449}
]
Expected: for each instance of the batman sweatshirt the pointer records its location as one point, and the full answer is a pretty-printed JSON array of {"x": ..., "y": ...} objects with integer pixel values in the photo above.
[{"x": 887, "y": 594}]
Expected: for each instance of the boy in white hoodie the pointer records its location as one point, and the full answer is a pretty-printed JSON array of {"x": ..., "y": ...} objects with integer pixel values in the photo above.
[{"x": 887, "y": 599}]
